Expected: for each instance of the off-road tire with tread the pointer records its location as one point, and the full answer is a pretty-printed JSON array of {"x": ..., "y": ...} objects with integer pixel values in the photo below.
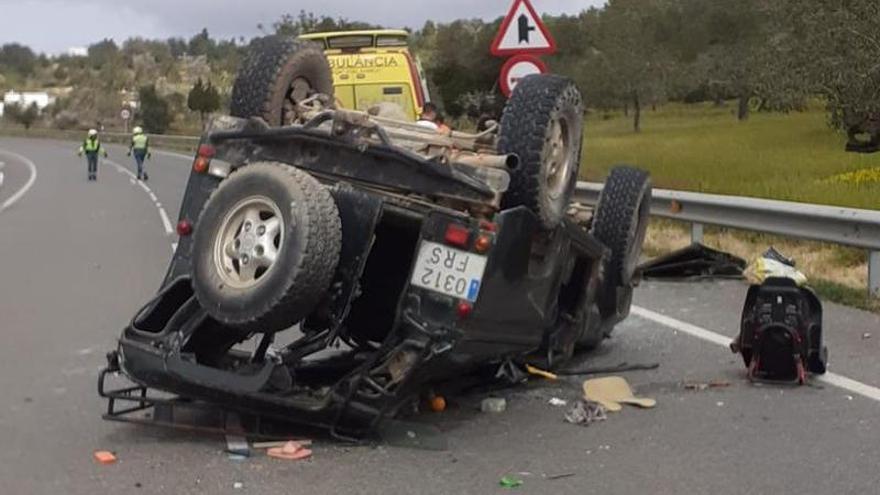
[
  {"x": 526, "y": 126},
  {"x": 263, "y": 83},
  {"x": 306, "y": 261},
  {"x": 620, "y": 222}
]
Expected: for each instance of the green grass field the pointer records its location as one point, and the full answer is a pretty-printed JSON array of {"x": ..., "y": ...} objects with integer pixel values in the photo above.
[{"x": 704, "y": 148}]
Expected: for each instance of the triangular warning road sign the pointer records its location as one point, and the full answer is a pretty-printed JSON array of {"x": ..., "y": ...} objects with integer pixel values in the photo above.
[{"x": 523, "y": 32}]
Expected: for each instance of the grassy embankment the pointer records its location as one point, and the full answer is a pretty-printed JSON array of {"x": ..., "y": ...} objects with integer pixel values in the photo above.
[{"x": 794, "y": 157}]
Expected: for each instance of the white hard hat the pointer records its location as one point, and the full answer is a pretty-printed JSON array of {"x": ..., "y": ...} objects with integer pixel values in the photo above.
[
  {"x": 93, "y": 132},
  {"x": 137, "y": 130}
]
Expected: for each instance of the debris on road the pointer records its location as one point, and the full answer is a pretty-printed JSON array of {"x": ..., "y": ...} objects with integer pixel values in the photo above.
[
  {"x": 541, "y": 373},
  {"x": 612, "y": 391},
  {"x": 557, "y": 402},
  {"x": 291, "y": 451},
  {"x": 238, "y": 485},
  {"x": 695, "y": 262},
  {"x": 105, "y": 457},
  {"x": 866, "y": 336},
  {"x": 437, "y": 403},
  {"x": 280, "y": 443},
  {"x": 619, "y": 368},
  {"x": 493, "y": 405},
  {"x": 551, "y": 477},
  {"x": 700, "y": 386},
  {"x": 585, "y": 413},
  {"x": 510, "y": 482},
  {"x": 237, "y": 445},
  {"x": 780, "y": 335}
]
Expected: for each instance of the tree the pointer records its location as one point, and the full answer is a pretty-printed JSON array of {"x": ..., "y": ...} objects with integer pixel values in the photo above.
[
  {"x": 308, "y": 22},
  {"x": 18, "y": 58},
  {"x": 154, "y": 111},
  {"x": 203, "y": 98},
  {"x": 633, "y": 58},
  {"x": 24, "y": 116}
]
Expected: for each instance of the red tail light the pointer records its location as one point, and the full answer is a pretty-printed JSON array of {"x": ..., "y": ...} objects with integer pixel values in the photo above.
[
  {"x": 184, "y": 228},
  {"x": 464, "y": 309},
  {"x": 457, "y": 235},
  {"x": 207, "y": 151}
]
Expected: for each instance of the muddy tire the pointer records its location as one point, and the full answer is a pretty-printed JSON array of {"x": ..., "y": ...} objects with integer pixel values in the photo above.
[
  {"x": 621, "y": 222},
  {"x": 543, "y": 125},
  {"x": 278, "y": 72},
  {"x": 265, "y": 248}
]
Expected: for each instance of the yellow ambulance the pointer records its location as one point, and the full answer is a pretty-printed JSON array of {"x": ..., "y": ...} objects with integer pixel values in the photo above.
[{"x": 374, "y": 66}]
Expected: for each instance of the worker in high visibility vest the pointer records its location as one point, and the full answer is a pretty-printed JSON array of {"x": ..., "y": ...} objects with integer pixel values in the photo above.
[
  {"x": 140, "y": 146},
  {"x": 91, "y": 147}
]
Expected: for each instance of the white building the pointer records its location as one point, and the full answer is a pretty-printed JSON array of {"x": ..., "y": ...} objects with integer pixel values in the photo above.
[
  {"x": 28, "y": 98},
  {"x": 78, "y": 51}
]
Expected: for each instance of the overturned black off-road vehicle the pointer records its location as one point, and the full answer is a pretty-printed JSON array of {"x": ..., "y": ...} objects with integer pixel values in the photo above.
[{"x": 390, "y": 258}]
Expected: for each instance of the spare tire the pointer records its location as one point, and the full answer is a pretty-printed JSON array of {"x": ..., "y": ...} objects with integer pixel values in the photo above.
[
  {"x": 279, "y": 72},
  {"x": 620, "y": 222},
  {"x": 265, "y": 248},
  {"x": 542, "y": 124}
]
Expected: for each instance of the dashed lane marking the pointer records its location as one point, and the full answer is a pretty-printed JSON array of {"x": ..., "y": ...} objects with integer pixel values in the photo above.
[{"x": 166, "y": 222}]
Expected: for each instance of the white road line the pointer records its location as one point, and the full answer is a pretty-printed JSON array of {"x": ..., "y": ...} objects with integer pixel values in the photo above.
[
  {"x": 829, "y": 378},
  {"x": 133, "y": 179},
  {"x": 30, "y": 182},
  {"x": 176, "y": 155}
]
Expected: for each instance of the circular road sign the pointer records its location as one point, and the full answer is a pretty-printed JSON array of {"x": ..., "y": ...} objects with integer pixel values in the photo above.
[
  {"x": 518, "y": 67},
  {"x": 125, "y": 114}
]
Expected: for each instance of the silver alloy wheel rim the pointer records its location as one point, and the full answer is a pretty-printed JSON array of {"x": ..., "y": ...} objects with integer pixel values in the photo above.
[
  {"x": 558, "y": 159},
  {"x": 248, "y": 242}
]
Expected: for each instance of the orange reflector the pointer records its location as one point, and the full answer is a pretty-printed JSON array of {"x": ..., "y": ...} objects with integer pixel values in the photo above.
[
  {"x": 201, "y": 164},
  {"x": 184, "y": 228},
  {"x": 457, "y": 235},
  {"x": 464, "y": 309},
  {"x": 483, "y": 243}
]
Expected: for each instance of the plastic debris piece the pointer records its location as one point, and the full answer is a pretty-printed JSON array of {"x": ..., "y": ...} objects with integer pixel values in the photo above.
[
  {"x": 438, "y": 403},
  {"x": 542, "y": 373},
  {"x": 612, "y": 391},
  {"x": 700, "y": 386},
  {"x": 695, "y": 262},
  {"x": 237, "y": 445},
  {"x": 866, "y": 336},
  {"x": 291, "y": 451},
  {"x": 493, "y": 405},
  {"x": 510, "y": 482},
  {"x": 238, "y": 485},
  {"x": 558, "y": 476},
  {"x": 585, "y": 413},
  {"x": 773, "y": 264},
  {"x": 557, "y": 402},
  {"x": 268, "y": 445},
  {"x": 105, "y": 457}
]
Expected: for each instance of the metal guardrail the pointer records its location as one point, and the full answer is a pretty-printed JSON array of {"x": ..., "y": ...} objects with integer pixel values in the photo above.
[{"x": 844, "y": 226}]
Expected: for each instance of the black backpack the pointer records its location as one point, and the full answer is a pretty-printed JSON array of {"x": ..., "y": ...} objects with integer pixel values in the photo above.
[{"x": 781, "y": 332}]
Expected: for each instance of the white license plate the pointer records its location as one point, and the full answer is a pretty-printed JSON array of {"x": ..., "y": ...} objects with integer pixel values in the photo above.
[{"x": 449, "y": 271}]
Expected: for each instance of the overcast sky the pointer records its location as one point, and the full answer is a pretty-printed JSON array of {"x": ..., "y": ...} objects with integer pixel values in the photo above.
[{"x": 55, "y": 25}]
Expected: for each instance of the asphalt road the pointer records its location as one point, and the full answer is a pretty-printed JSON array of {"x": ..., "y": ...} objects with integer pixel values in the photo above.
[{"x": 77, "y": 259}]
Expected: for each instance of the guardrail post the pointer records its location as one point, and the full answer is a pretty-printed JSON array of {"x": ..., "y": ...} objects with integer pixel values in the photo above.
[
  {"x": 696, "y": 233},
  {"x": 874, "y": 273}
]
